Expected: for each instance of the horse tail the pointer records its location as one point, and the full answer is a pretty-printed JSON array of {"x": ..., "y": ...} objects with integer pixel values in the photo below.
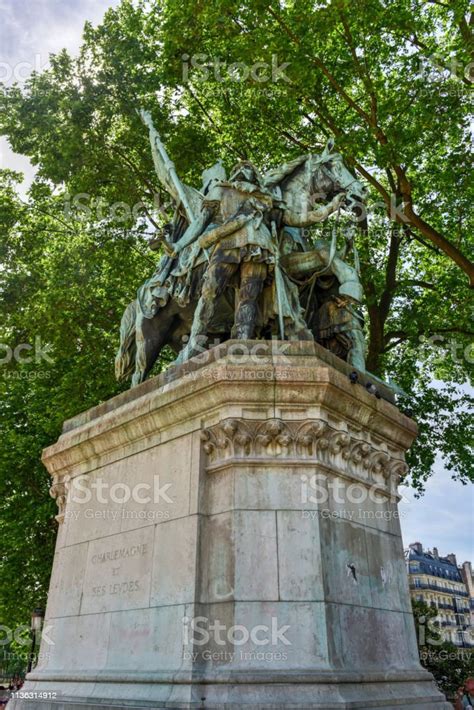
[{"x": 125, "y": 358}]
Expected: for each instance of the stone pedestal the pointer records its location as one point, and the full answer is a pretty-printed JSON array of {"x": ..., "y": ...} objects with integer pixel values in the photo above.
[{"x": 229, "y": 538}]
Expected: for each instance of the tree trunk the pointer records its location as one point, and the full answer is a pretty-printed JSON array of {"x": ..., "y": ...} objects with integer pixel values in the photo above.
[{"x": 446, "y": 246}]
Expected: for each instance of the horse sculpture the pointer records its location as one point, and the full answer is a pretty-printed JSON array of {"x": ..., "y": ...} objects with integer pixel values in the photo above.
[{"x": 300, "y": 183}]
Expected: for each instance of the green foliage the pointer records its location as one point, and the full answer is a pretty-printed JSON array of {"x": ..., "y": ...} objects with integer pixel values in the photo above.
[
  {"x": 449, "y": 664},
  {"x": 63, "y": 287}
]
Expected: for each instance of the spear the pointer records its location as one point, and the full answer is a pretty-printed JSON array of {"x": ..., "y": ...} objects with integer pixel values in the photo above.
[{"x": 168, "y": 164}]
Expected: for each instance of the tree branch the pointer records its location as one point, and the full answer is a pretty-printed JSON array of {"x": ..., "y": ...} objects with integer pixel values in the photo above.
[
  {"x": 320, "y": 64},
  {"x": 444, "y": 244}
]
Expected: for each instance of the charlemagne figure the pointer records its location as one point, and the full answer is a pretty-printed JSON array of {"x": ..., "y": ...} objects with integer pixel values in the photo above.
[{"x": 242, "y": 245}]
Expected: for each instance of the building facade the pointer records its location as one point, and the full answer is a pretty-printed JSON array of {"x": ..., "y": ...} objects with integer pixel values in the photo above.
[
  {"x": 468, "y": 579},
  {"x": 441, "y": 584}
]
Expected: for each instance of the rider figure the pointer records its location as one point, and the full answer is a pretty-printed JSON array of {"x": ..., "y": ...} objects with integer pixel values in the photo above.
[{"x": 243, "y": 245}]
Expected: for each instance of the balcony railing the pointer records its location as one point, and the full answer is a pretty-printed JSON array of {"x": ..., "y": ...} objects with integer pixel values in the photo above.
[
  {"x": 451, "y": 607},
  {"x": 438, "y": 588}
]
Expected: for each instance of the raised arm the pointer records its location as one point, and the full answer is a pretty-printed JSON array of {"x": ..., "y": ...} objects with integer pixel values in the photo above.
[{"x": 299, "y": 219}]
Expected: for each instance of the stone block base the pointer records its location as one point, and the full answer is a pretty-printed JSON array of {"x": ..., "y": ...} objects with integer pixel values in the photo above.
[
  {"x": 229, "y": 538},
  {"x": 284, "y": 690}
]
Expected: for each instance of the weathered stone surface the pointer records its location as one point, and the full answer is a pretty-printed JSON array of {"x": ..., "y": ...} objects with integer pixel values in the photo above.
[
  {"x": 299, "y": 557},
  {"x": 65, "y": 588},
  {"x": 151, "y": 637},
  {"x": 160, "y": 485},
  {"x": 265, "y": 570},
  {"x": 74, "y": 642},
  {"x": 174, "y": 562}
]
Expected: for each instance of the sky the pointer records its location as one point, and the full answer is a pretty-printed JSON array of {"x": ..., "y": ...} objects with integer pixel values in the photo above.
[
  {"x": 442, "y": 518},
  {"x": 30, "y": 31}
]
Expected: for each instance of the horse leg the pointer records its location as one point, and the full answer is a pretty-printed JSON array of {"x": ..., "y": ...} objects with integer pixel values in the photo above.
[
  {"x": 356, "y": 355},
  {"x": 216, "y": 279},
  {"x": 125, "y": 357},
  {"x": 151, "y": 336}
]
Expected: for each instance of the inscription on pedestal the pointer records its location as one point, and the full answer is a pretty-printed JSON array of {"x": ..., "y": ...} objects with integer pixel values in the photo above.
[{"x": 118, "y": 572}]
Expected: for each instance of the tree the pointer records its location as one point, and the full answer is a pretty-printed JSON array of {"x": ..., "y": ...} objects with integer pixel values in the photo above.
[
  {"x": 61, "y": 285},
  {"x": 449, "y": 664}
]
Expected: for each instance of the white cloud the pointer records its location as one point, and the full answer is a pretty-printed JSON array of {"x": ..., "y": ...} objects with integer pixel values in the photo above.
[
  {"x": 442, "y": 518},
  {"x": 20, "y": 163},
  {"x": 29, "y": 32},
  {"x": 34, "y": 29}
]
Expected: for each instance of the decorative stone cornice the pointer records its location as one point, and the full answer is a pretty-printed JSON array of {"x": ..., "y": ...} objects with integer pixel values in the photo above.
[
  {"x": 237, "y": 441},
  {"x": 301, "y": 382}
]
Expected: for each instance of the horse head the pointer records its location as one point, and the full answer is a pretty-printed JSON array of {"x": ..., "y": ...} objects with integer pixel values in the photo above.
[{"x": 330, "y": 176}]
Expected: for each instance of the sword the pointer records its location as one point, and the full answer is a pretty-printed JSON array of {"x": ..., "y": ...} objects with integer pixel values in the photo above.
[{"x": 278, "y": 283}]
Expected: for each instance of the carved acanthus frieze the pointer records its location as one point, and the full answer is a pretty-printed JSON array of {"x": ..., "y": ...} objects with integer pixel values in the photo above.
[{"x": 316, "y": 441}]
